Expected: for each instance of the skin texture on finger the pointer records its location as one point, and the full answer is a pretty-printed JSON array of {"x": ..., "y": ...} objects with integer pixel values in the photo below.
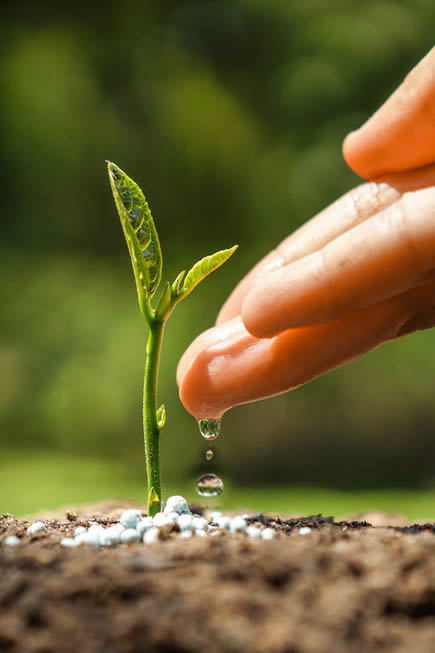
[
  {"x": 401, "y": 134},
  {"x": 349, "y": 210},
  {"x": 227, "y": 366},
  {"x": 384, "y": 256}
]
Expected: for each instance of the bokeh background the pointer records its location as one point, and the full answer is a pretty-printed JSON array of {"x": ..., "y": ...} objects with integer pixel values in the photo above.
[{"x": 230, "y": 114}]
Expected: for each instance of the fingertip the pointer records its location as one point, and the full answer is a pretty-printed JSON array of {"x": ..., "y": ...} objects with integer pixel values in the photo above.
[
  {"x": 196, "y": 391},
  {"x": 182, "y": 366},
  {"x": 351, "y": 151},
  {"x": 199, "y": 344},
  {"x": 202, "y": 390},
  {"x": 192, "y": 380}
]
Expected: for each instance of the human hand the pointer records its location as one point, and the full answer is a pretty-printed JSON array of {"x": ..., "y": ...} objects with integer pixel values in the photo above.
[{"x": 359, "y": 274}]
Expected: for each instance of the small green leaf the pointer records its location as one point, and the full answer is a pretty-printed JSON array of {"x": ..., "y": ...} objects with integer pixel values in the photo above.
[
  {"x": 139, "y": 231},
  {"x": 177, "y": 285},
  {"x": 164, "y": 306},
  {"x": 161, "y": 416},
  {"x": 153, "y": 502},
  {"x": 203, "y": 268}
]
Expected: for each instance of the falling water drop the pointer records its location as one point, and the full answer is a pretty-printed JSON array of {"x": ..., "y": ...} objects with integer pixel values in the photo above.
[
  {"x": 209, "y": 485},
  {"x": 209, "y": 428},
  {"x": 209, "y": 454}
]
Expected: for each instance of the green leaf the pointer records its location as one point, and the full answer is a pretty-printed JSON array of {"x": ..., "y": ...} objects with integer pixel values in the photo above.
[
  {"x": 139, "y": 231},
  {"x": 203, "y": 268},
  {"x": 164, "y": 306},
  {"x": 177, "y": 285},
  {"x": 161, "y": 417}
]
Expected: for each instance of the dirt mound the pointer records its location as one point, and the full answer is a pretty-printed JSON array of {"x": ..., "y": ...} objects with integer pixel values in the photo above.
[{"x": 342, "y": 587}]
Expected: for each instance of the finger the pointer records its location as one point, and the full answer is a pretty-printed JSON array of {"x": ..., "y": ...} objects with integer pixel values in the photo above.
[
  {"x": 233, "y": 305},
  {"x": 401, "y": 134},
  {"x": 349, "y": 210},
  {"x": 382, "y": 257},
  {"x": 227, "y": 366}
]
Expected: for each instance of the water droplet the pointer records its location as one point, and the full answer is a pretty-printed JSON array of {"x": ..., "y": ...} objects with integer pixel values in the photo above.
[
  {"x": 209, "y": 485},
  {"x": 209, "y": 428},
  {"x": 209, "y": 454}
]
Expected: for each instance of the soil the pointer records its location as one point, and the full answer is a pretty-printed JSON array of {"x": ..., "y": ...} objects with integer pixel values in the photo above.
[{"x": 346, "y": 586}]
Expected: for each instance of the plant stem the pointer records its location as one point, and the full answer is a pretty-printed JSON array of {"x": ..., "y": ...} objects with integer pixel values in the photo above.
[{"x": 150, "y": 427}]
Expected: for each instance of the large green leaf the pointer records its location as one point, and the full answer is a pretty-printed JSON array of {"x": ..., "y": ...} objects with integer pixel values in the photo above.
[
  {"x": 203, "y": 268},
  {"x": 139, "y": 231}
]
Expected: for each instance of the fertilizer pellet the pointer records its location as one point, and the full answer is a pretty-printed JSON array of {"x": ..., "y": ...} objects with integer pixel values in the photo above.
[
  {"x": 151, "y": 535},
  {"x": 199, "y": 523},
  {"x": 268, "y": 534},
  {"x": 223, "y": 522},
  {"x": 89, "y": 538},
  {"x": 144, "y": 525},
  {"x": 130, "y": 518},
  {"x": 185, "y": 522},
  {"x": 36, "y": 527},
  {"x": 305, "y": 530},
  {"x": 215, "y": 516},
  {"x": 177, "y": 504},
  {"x": 96, "y": 531},
  {"x": 172, "y": 516},
  {"x": 130, "y": 535},
  {"x": 79, "y": 530},
  {"x": 112, "y": 535},
  {"x": 238, "y": 525},
  {"x": 253, "y": 531},
  {"x": 160, "y": 519},
  {"x": 132, "y": 527}
]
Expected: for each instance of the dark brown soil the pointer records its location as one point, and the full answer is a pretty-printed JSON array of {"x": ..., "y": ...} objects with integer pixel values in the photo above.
[{"x": 345, "y": 587}]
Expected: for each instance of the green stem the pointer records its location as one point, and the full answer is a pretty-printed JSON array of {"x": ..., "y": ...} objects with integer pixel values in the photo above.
[{"x": 150, "y": 427}]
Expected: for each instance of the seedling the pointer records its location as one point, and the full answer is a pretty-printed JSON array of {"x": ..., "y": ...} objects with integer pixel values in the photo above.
[{"x": 146, "y": 258}]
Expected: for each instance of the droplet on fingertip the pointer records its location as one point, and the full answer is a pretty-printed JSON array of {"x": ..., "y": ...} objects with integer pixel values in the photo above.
[{"x": 209, "y": 428}]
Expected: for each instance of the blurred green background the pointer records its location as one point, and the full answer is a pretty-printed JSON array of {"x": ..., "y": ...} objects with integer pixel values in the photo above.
[{"x": 230, "y": 115}]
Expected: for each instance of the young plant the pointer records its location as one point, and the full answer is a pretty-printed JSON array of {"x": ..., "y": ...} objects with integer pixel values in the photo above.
[{"x": 146, "y": 258}]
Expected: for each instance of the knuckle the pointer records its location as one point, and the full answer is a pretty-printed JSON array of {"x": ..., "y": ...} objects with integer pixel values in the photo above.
[
  {"x": 359, "y": 202},
  {"x": 368, "y": 199}
]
